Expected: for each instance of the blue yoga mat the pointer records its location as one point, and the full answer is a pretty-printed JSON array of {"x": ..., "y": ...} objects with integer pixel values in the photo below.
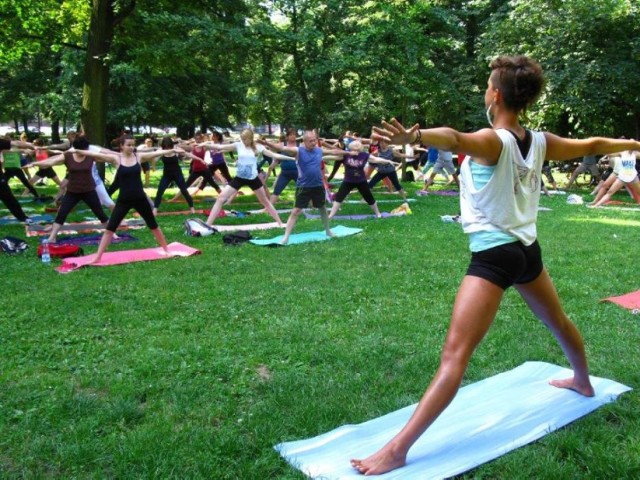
[
  {"x": 485, "y": 420},
  {"x": 298, "y": 238},
  {"x": 45, "y": 218}
]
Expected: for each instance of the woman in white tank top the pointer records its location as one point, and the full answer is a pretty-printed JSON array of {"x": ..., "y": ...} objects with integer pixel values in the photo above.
[{"x": 499, "y": 198}]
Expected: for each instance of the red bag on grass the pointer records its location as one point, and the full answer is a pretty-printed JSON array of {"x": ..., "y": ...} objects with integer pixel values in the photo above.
[{"x": 62, "y": 250}]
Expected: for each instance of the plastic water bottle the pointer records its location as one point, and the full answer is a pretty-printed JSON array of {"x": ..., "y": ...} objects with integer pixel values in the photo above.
[{"x": 46, "y": 257}]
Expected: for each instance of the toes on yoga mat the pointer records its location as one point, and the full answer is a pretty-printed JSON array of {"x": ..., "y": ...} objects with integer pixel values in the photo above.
[{"x": 485, "y": 420}]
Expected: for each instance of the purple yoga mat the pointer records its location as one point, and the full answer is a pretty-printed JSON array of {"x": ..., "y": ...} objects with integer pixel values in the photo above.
[
  {"x": 82, "y": 240},
  {"x": 369, "y": 216}
]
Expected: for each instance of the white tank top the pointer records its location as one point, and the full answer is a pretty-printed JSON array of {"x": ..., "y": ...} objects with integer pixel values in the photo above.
[{"x": 509, "y": 200}]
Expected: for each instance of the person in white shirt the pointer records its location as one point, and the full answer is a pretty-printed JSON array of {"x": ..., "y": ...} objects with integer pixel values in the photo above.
[
  {"x": 246, "y": 174},
  {"x": 500, "y": 191}
]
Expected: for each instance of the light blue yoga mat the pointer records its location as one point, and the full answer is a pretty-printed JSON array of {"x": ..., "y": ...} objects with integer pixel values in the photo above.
[
  {"x": 298, "y": 238},
  {"x": 485, "y": 420}
]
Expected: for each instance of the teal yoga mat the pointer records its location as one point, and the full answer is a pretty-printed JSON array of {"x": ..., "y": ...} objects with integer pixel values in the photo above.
[
  {"x": 307, "y": 237},
  {"x": 485, "y": 420}
]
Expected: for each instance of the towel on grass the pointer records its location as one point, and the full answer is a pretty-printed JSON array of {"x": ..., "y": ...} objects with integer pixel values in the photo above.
[
  {"x": 366, "y": 216},
  {"x": 485, "y": 420},
  {"x": 389, "y": 200},
  {"x": 83, "y": 227},
  {"x": 248, "y": 227},
  {"x": 94, "y": 239},
  {"x": 127, "y": 256},
  {"x": 443, "y": 193},
  {"x": 11, "y": 220},
  {"x": 630, "y": 301},
  {"x": 298, "y": 238}
]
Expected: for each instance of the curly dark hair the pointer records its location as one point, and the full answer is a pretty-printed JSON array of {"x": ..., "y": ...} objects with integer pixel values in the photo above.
[{"x": 520, "y": 79}]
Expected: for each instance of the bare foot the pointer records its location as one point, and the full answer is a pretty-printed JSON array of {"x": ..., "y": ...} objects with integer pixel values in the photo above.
[
  {"x": 585, "y": 389},
  {"x": 95, "y": 260},
  {"x": 330, "y": 234},
  {"x": 382, "y": 461},
  {"x": 155, "y": 212},
  {"x": 283, "y": 241}
]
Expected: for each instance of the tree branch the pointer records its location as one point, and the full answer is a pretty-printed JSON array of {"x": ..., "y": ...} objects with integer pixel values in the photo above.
[
  {"x": 124, "y": 12},
  {"x": 64, "y": 44}
]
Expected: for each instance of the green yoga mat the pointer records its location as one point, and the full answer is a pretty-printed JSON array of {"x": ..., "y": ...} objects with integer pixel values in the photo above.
[{"x": 307, "y": 237}]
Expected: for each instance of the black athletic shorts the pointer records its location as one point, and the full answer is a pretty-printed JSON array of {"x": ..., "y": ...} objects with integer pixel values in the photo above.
[
  {"x": 254, "y": 184},
  {"x": 315, "y": 195},
  {"x": 507, "y": 264}
]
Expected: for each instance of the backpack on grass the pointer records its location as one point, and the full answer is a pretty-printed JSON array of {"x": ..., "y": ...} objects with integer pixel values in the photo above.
[
  {"x": 62, "y": 250},
  {"x": 12, "y": 245},
  {"x": 236, "y": 238}
]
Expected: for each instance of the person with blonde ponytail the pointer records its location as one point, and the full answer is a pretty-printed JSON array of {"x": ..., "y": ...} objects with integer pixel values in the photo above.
[{"x": 246, "y": 173}]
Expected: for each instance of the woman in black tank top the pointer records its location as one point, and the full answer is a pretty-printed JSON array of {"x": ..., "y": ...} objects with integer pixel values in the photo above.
[{"x": 132, "y": 194}]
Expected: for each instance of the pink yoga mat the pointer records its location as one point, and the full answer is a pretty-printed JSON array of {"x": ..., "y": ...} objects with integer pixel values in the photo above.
[
  {"x": 127, "y": 256},
  {"x": 630, "y": 300}
]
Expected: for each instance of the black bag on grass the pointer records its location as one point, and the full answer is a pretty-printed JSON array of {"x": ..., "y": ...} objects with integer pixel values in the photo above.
[
  {"x": 13, "y": 245},
  {"x": 236, "y": 238}
]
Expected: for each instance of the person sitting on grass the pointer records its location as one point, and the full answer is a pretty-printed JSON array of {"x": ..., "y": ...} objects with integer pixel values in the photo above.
[{"x": 500, "y": 192}]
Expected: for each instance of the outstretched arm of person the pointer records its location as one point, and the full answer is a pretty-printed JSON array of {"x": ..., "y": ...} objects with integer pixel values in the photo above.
[
  {"x": 220, "y": 147},
  {"x": 111, "y": 158},
  {"x": 485, "y": 145},
  {"x": 374, "y": 159},
  {"x": 559, "y": 148},
  {"x": 49, "y": 162},
  {"x": 277, "y": 156},
  {"x": 146, "y": 156}
]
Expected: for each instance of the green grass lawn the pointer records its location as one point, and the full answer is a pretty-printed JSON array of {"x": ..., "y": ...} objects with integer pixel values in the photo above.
[{"x": 195, "y": 367}]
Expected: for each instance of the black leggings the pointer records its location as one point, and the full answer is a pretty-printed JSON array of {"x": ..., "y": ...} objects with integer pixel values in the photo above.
[
  {"x": 166, "y": 180},
  {"x": 71, "y": 199},
  {"x": 224, "y": 170},
  {"x": 393, "y": 176},
  {"x": 336, "y": 166},
  {"x": 141, "y": 205},
  {"x": 363, "y": 188},
  {"x": 19, "y": 174},
  {"x": 6, "y": 195},
  {"x": 206, "y": 175}
]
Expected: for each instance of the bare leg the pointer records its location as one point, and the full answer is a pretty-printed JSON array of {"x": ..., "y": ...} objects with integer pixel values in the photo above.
[
  {"x": 261, "y": 193},
  {"x": 105, "y": 241},
  {"x": 325, "y": 221},
  {"x": 53, "y": 235},
  {"x": 376, "y": 210},
  {"x": 160, "y": 239},
  {"x": 291, "y": 222},
  {"x": 227, "y": 192},
  {"x": 334, "y": 209},
  {"x": 604, "y": 188},
  {"x": 473, "y": 312},
  {"x": 543, "y": 300},
  {"x": 617, "y": 185}
]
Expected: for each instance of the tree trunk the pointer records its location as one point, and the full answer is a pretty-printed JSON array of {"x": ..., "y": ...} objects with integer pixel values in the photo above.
[
  {"x": 96, "y": 74},
  {"x": 55, "y": 131}
]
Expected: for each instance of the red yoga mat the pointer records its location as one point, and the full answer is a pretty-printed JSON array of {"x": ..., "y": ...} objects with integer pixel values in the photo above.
[
  {"x": 630, "y": 300},
  {"x": 127, "y": 256}
]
